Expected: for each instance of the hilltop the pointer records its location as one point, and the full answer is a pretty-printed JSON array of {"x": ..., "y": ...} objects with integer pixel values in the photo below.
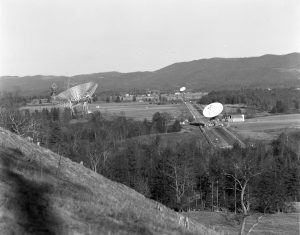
[
  {"x": 204, "y": 74},
  {"x": 45, "y": 193}
]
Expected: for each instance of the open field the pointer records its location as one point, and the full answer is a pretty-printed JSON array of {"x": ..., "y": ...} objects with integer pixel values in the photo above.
[
  {"x": 267, "y": 128},
  {"x": 275, "y": 224},
  {"x": 138, "y": 111},
  {"x": 188, "y": 134}
]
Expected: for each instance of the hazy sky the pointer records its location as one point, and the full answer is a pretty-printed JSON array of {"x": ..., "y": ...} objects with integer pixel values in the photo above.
[{"x": 68, "y": 37}]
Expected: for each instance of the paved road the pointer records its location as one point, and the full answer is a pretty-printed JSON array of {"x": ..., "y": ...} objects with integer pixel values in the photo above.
[
  {"x": 217, "y": 136},
  {"x": 197, "y": 116}
]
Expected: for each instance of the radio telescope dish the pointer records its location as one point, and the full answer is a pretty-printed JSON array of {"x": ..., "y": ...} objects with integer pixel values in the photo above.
[
  {"x": 182, "y": 89},
  {"x": 212, "y": 110},
  {"x": 80, "y": 94}
]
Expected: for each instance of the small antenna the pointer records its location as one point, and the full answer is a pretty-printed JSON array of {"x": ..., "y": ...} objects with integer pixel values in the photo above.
[{"x": 53, "y": 89}]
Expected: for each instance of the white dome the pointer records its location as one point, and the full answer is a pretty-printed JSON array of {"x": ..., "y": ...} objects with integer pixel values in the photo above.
[
  {"x": 182, "y": 89},
  {"x": 212, "y": 110}
]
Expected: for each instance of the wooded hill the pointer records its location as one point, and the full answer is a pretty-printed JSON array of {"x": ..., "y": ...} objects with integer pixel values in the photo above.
[{"x": 204, "y": 74}]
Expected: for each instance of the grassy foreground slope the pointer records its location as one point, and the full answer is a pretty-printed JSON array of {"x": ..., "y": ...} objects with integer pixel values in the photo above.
[{"x": 44, "y": 193}]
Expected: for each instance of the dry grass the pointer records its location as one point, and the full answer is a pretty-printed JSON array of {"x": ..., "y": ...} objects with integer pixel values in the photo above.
[
  {"x": 230, "y": 224},
  {"x": 275, "y": 224},
  {"x": 187, "y": 135},
  {"x": 41, "y": 194}
]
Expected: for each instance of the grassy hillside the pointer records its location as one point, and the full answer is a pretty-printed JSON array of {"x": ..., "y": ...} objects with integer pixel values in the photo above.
[
  {"x": 205, "y": 74},
  {"x": 44, "y": 193}
]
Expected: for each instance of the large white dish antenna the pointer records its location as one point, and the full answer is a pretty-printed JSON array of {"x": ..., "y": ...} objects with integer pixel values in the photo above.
[
  {"x": 182, "y": 89},
  {"x": 212, "y": 110},
  {"x": 78, "y": 93}
]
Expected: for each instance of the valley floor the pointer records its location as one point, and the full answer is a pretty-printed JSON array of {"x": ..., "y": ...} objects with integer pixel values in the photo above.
[{"x": 267, "y": 128}]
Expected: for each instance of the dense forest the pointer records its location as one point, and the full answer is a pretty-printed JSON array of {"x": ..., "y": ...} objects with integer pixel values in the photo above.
[
  {"x": 182, "y": 175},
  {"x": 272, "y": 100}
]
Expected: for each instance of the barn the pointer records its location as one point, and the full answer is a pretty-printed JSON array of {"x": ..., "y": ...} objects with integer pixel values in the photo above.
[{"x": 236, "y": 118}]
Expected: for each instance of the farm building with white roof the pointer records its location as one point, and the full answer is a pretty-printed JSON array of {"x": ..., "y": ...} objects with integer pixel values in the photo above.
[{"x": 236, "y": 118}]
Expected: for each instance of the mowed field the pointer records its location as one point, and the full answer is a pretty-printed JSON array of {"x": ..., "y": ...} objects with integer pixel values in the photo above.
[
  {"x": 267, "y": 128},
  {"x": 138, "y": 111}
]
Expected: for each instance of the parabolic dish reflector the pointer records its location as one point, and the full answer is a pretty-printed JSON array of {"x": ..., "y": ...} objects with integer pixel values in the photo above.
[
  {"x": 182, "y": 89},
  {"x": 212, "y": 110},
  {"x": 78, "y": 92}
]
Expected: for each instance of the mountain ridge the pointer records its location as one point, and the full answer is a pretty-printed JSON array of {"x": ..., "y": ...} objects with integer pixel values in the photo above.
[{"x": 204, "y": 74}]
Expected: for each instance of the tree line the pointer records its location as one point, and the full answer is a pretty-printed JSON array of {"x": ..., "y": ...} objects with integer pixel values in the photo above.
[{"x": 275, "y": 100}]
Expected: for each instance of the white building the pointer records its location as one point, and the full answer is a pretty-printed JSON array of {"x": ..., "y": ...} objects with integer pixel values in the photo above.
[{"x": 236, "y": 118}]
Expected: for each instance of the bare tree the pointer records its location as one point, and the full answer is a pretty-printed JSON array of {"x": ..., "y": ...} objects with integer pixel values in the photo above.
[
  {"x": 98, "y": 156},
  {"x": 243, "y": 174},
  {"x": 181, "y": 176},
  {"x": 94, "y": 158},
  {"x": 243, "y": 169},
  {"x": 15, "y": 120},
  {"x": 76, "y": 140},
  {"x": 32, "y": 127},
  {"x": 20, "y": 122}
]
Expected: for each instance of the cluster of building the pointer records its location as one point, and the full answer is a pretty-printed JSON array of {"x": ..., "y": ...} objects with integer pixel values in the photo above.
[
  {"x": 156, "y": 97},
  {"x": 232, "y": 118},
  {"x": 178, "y": 96},
  {"x": 39, "y": 101}
]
